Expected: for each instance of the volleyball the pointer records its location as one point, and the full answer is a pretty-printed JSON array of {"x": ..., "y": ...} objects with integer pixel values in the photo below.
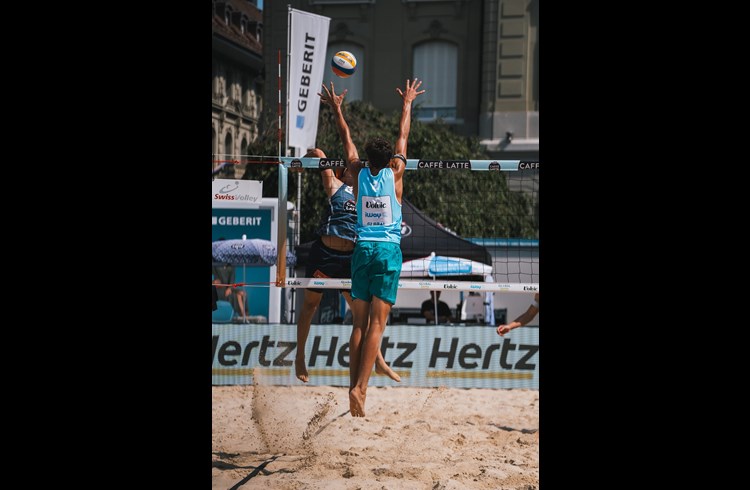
[{"x": 343, "y": 64}]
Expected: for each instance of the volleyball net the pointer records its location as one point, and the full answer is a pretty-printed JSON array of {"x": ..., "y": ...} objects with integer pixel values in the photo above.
[{"x": 467, "y": 225}]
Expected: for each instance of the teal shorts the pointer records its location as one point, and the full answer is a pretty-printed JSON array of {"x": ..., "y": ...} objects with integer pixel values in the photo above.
[{"x": 376, "y": 269}]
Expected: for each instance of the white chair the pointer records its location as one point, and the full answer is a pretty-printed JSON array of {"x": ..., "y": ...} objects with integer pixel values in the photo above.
[{"x": 472, "y": 309}]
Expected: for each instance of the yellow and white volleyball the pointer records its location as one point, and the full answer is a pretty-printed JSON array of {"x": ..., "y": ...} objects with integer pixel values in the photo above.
[{"x": 344, "y": 64}]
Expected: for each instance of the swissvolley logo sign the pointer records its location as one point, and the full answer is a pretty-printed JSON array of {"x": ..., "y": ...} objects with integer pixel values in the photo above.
[{"x": 227, "y": 193}]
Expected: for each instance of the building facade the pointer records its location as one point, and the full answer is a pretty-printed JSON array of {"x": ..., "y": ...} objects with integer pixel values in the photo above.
[
  {"x": 236, "y": 80},
  {"x": 479, "y": 60}
]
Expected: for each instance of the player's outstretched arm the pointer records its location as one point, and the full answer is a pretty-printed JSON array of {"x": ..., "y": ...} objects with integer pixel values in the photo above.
[
  {"x": 335, "y": 102},
  {"x": 408, "y": 95}
]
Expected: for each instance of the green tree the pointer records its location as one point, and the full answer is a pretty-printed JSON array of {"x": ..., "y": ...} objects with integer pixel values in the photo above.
[{"x": 470, "y": 203}]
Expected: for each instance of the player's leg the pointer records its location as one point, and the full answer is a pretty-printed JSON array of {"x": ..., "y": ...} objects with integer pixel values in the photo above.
[
  {"x": 360, "y": 314},
  {"x": 316, "y": 263},
  {"x": 310, "y": 303},
  {"x": 370, "y": 347},
  {"x": 384, "y": 271},
  {"x": 381, "y": 367}
]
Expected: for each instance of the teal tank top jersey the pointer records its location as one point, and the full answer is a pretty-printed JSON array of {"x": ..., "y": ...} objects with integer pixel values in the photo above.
[
  {"x": 378, "y": 211},
  {"x": 341, "y": 215}
]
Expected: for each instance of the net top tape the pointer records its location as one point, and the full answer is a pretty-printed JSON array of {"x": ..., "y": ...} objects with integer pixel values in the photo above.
[{"x": 418, "y": 164}]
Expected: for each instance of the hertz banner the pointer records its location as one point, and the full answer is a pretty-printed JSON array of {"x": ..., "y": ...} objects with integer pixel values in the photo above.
[{"x": 424, "y": 356}]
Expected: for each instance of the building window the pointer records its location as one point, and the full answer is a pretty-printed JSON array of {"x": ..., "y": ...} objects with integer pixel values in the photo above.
[
  {"x": 354, "y": 83},
  {"x": 216, "y": 81},
  {"x": 230, "y": 85},
  {"x": 227, "y": 147},
  {"x": 245, "y": 91},
  {"x": 437, "y": 63},
  {"x": 249, "y": 106},
  {"x": 243, "y": 148},
  {"x": 219, "y": 81}
]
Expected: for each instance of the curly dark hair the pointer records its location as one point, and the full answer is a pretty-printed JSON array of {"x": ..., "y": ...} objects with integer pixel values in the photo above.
[{"x": 379, "y": 152}]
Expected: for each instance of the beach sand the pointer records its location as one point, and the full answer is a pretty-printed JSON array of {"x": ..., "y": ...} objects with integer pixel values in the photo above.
[{"x": 302, "y": 437}]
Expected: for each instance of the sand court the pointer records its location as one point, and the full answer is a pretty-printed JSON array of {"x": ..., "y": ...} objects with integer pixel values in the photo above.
[{"x": 303, "y": 437}]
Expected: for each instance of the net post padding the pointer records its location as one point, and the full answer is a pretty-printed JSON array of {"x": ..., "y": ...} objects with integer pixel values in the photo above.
[{"x": 282, "y": 227}]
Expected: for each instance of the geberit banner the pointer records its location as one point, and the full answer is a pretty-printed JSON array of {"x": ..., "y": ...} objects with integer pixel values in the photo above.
[
  {"x": 424, "y": 356},
  {"x": 308, "y": 40}
]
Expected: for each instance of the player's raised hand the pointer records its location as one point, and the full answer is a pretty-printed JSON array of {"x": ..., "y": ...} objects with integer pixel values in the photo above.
[
  {"x": 410, "y": 92},
  {"x": 330, "y": 97}
]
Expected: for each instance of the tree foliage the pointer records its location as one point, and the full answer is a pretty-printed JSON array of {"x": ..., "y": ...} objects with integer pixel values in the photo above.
[{"x": 470, "y": 203}]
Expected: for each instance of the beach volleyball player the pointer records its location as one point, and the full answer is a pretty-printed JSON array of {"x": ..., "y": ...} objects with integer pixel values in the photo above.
[
  {"x": 376, "y": 262},
  {"x": 331, "y": 256}
]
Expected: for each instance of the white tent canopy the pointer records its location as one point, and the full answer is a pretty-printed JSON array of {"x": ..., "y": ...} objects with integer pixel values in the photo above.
[{"x": 440, "y": 266}]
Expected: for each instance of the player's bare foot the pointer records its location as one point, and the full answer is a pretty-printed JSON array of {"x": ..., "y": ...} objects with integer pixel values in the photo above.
[
  {"x": 301, "y": 370},
  {"x": 356, "y": 403},
  {"x": 386, "y": 369}
]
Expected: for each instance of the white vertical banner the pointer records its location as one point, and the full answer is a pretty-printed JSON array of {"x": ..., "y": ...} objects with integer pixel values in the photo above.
[
  {"x": 489, "y": 303},
  {"x": 308, "y": 40}
]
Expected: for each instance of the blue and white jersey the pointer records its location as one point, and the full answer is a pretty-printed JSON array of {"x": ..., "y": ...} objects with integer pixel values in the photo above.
[
  {"x": 341, "y": 217},
  {"x": 378, "y": 211}
]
